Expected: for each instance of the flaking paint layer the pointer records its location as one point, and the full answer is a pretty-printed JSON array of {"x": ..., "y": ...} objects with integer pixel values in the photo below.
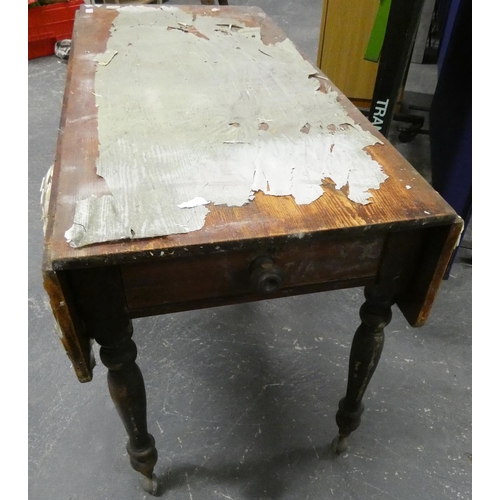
[{"x": 200, "y": 111}]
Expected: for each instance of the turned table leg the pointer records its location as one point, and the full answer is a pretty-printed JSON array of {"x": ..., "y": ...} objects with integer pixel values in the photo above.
[
  {"x": 101, "y": 305},
  {"x": 366, "y": 349},
  {"x": 126, "y": 386}
]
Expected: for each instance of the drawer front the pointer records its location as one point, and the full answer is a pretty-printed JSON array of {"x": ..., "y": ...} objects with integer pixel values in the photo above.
[{"x": 296, "y": 263}]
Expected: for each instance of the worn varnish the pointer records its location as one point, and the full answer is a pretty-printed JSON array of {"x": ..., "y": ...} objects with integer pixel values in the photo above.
[
  {"x": 75, "y": 178},
  {"x": 264, "y": 121},
  {"x": 397, "y": 246},
  {"x": 303, "y": 261}
]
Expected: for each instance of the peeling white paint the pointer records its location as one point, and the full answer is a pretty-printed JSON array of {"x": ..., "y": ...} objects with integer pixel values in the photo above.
[
  {"x": 45, "y": 190},
  {"x": 195, "y": 202},
  {"x": 186, "y": 124},
  {"x": 106, "y": 57}
]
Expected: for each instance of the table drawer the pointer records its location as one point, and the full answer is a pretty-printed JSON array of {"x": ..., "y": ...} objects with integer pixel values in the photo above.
[{"x": 296, "y": 263}]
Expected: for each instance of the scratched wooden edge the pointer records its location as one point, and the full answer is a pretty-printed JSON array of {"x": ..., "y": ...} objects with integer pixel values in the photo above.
[
  {"x": 76, "y": 344},
  {"x": 73, "y": 339},
  {"x": 163, "y": 252},
  {"x": 50, "y": 227},
  {"x": 49, "y": 230},
  {"x": 48, "y": 250},
  {"x": 415, "y": 306},
  {"x": 437, "y": 252},
  {"x": 117, "y": 251}
]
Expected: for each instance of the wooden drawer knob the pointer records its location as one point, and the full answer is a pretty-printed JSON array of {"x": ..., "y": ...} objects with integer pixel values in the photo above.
[{"x": 265, "y": 275}]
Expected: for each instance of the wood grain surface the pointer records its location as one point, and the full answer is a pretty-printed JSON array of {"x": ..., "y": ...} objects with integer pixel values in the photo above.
[{"x": 403, "y": 200}]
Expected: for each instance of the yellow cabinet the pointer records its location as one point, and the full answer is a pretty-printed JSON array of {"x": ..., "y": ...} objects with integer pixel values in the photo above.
[{"x": 346, "y": 26}]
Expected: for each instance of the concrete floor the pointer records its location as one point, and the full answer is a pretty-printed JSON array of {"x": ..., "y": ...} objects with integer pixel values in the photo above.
[{"x": 242, "y": 398}]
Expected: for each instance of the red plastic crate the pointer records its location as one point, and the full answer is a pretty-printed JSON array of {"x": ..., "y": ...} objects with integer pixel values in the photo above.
[{"x": 48, "y": 24}]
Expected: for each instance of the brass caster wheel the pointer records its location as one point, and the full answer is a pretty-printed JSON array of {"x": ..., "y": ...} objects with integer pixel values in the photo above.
[{"x": 150, "y": 484}]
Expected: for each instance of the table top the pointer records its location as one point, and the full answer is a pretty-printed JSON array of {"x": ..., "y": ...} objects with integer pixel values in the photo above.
[{"x": 190, "y": 128}]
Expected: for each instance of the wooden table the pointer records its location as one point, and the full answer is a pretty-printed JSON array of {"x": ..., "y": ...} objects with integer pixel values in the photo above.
[{"x": 287, "y": 190}]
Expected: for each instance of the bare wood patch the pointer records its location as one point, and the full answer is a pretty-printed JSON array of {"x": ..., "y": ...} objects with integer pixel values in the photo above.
[{"x": 189, "y": 28}]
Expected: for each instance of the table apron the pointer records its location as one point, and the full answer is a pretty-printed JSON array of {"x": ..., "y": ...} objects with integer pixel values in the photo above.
[{"x": 225, "y": 277}]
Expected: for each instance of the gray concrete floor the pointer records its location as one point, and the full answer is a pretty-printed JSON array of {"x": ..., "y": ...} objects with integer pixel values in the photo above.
[{"x": 242, "y": 398}]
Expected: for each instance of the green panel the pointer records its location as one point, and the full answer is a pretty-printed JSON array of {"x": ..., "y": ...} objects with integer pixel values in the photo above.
[{"x": 378, "y": 32}]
